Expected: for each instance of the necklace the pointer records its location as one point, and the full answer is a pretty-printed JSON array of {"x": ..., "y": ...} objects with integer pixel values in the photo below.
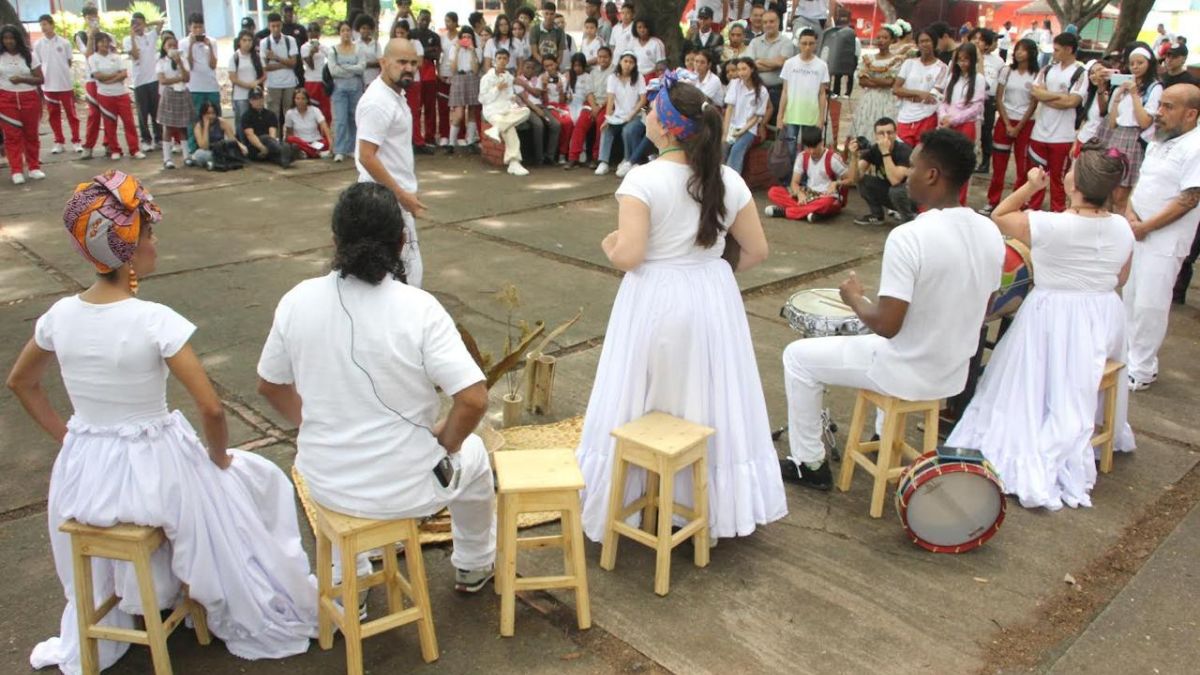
[
  {"x": 667, "y": 151},
  {"x": 1091, "y": 211}
]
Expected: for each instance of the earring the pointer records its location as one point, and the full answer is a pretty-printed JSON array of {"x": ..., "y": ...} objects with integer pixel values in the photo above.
[{"x": 133, "y": 281}]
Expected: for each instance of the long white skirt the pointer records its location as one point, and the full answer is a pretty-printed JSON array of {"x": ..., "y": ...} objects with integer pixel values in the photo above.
[
  {"x": 678, "y": 342},
  {"x": 233, "y": 538},
  {"x": 1034, "y": 413}
]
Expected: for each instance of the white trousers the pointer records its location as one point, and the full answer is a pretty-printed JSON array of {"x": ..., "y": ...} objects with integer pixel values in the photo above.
[
  {"x": 507, "y": 122},
  {"x": 472, "y": 514},
  {"x": 410, "y": 254},
  {"x": 1147, "y": 297},
  {"x": 809, "y": 365}
]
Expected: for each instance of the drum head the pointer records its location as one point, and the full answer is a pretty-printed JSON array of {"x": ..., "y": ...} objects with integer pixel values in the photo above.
[
  {"x": 822, "y": 302},
  {"x": 954, "y": 508}
]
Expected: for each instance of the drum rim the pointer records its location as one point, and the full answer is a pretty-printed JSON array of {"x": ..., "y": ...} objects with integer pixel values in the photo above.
[{"x": 905, "y": 491}]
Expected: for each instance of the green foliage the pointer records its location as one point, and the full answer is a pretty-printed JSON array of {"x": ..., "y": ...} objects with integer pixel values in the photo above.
[
  {"x": 116, "y": 24},
  {"x": 325, "y": 12},
  {"x": 149, "y": 9}
]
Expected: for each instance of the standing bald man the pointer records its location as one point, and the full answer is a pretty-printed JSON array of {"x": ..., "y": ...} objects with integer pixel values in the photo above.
[
  {"x": 1163, "y": 211},
  {"x": 384, "y": 151}
]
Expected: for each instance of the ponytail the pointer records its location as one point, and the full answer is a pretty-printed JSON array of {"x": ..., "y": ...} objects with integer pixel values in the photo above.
[{"x": 705, "y": 158}]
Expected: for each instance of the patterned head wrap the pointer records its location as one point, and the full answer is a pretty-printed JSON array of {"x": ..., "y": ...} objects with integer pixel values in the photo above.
[
  {"x": 104, "y": 218},
  {"x": 676, "y": 123}
]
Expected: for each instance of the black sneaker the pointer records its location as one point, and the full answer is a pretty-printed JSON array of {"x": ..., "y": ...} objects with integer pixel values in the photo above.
[
  {"x": 869, "y": 220},
  {"x": 982, "y": 168},
  {"x": 818, "y": 479},
  {"x": 423, "y": 149}
]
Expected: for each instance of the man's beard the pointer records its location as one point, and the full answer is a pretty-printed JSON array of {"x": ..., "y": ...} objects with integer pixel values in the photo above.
[
  {"x": 405, "y": 81},
  {"x": 1162, "y": 135}
]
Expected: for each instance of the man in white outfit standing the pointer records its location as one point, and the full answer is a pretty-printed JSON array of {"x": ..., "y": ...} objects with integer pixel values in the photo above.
[
  {"x": 383, "y": 152},
  {"x": 1163, "y": 212}
]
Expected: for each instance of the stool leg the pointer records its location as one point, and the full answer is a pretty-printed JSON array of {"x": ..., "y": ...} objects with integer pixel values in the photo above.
[
  {"x": 573, "y": 533},
  {"x": 892, "y": 433},
  {"x": 854, "y": 437},
  {"x": 700, "y": 540},
  {"x": 498, "y": 580},
  {"x": 351, "y": 626},
  {"x": 1110, "y": 424},
  {"x": 416, "y": 579},
  {"x": 662, "y": 567},
  {"x": 616, "y": 500},
  {"x": 391, "y": 576},
  {"x": 324, "y": 589},
  {"x": 85, "y": 608},
  {"x": 508, "y": 597},
  {"x": 931, "y": 430},
  {"x": 156, "y": 638},
  {"x": 650, "y": 512},
  {"x": 199, "y": 618}
]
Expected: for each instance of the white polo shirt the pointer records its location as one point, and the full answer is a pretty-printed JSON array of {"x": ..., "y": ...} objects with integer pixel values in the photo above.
[
  {"x": 1058, "y": 126},
  {"x": 383, "y": 118},
  {"x": 945, "y": 264},
  {"x": 55, "y": 55},
  {"x": 1170, "y": 167},
  {"x": 147, "y": 60},
  {"x": 107, "y": 65},
  {"x": 284, "y": 48},
  {"x": 14, "y": 64},
  {"x": 365, "y": 446},
  {"x": 919, "y": 77},
  {"x": 202, "y": 78}
]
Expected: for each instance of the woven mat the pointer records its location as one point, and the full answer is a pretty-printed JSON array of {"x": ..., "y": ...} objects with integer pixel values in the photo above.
[{"x": 436, "y": 528}]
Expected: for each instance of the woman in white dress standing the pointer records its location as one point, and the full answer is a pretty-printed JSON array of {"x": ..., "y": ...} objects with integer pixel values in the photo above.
[
  {"x": 678, "y": 340},
  {"x": 876, "y": 75},
  {"x": 230, "y": 516},
  {"x": 1034, "y": 412}
]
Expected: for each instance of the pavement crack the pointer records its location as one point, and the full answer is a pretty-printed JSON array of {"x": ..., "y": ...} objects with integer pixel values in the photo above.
[
  {"x": 539, "y": 252},
  {"x": 286, "y": 255},
  {"x": 68, "y": 283}
]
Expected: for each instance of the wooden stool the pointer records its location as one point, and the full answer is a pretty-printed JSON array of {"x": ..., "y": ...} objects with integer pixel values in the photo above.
[
  {"x": 662, "y": 445},
  {"x": 1107, "y": 433},
  {"x": 891, "y": 448},
  {"x": 135, "y": 544},
  {"x": 532, "y": 481},
  {"x": 359, "y": 535}
]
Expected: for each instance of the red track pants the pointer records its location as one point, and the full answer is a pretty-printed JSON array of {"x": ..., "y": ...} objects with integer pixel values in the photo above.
[
  {"x": 58, "y": 102},
  {"x": 1004, "y": 145},
  {"x": 318, "y": 97},
  {"x": 579, "y": 134},
  {"x": 20, "y": 115},
  {"x": 119, "y": 108},
  {"x": 1054, "y": 158},
  {"x": 794, "y": 210}
]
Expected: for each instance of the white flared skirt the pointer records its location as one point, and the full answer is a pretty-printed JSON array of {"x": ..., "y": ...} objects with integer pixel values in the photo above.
[
  {"x": 1034, "y": 413},
  {"x": 678, "y": 342},
  {"x": 233, "y": 538}
]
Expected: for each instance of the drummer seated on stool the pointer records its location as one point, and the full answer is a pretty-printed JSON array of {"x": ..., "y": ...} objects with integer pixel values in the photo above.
[
  {"x": 939, "y": 271},
  {"x": 818, "y": 187}
]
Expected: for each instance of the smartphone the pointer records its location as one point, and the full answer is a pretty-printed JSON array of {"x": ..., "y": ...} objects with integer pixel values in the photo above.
[
  {"x": 960, "y": 454},
  {"x": 1118, "y": 79},
  {"x": 444, "y": 471}
]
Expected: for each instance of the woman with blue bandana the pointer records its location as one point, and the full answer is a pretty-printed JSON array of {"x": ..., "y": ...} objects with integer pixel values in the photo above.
[{"x": 678, "y": 340}]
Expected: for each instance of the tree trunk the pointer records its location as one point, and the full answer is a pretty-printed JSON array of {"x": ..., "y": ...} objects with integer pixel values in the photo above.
[
  {"x": 663, "y": 16},
  {"x": 898, "y": 9},
  {"x": 1133, "y": 16},
  {"x": 511, "y": 7},
  {"x": 356, "y": 7},
  {"x": 1080, "y": 12}
]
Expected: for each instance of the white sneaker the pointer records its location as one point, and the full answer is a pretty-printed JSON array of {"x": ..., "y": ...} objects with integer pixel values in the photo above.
[
  {"x": 325, "y": 154},
  {"x": 624, "y": 168},
  {"x": 115, "y": 156},
  {"x": 178, "y": 149},
  {"x": 773, "y": 212},
  {"x": 85, "y": 153},
  {"x": 57, "y": 149},
  {"x": 78, "y": 148},
  {"x": 492, "y": 133},
  {"x": 37, "y": 174},
  {"x": 562, "y": 161},
  {"x": 443, "y": 142},
  {"x": 139, "y": 155},
  {"x": 18, "y": 179},
  {"x": 516, "y": 169},
  {"x": 168, "y": 164},
  {"x": 339, "y": 157},
  {"x": 462, "y": 143},
  {"x": 602, "y": 169}
]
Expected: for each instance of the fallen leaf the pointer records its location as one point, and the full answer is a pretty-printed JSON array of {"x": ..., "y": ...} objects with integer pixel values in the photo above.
[
  {"x": 1069, "y": 579},
  {"x": 981, "y": 580}
]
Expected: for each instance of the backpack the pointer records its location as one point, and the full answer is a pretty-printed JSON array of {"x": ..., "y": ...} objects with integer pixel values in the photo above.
[
  {"x": 843, "y": 191},
  {"x": 1081, "y": 109}
]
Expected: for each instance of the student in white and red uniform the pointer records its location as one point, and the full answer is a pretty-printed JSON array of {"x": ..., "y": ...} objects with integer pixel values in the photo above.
[
  {"x": 555, "y": 87},
  {"x": 58, "y": 90},
  {"x": 110, "y": 72},
  {"x": 915, "y": 87},
  {"x": 962, "y": 109},
  {"x": 1014, "y": 120},
  {"x": 85, "y": 42},
  {"x": 818, "y": 188},
  {"x": 1060, "y": 88},
  {"x": 20, "y": 105}
]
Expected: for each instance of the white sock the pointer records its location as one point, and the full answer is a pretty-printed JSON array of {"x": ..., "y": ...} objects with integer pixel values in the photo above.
[
  {"x": 472, "y": 132},
  {"x": 166, "y": 150},
  {"x": 813, "y": 466},
  {"x": 453, "y": 133}
]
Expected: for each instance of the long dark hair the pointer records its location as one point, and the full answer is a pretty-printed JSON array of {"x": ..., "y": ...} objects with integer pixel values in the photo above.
[
  {"x": 956, "y": 72},
  {"x": 254, "y": 57},
  {"x": 162, "y": 48},
  {"x": 1031, "y": 55},
  {"x": 579, "y": 58},
  {"x": 368, "y": 231},
  {"x": 633, "y": 75},
  {"x": 467, "y": 30},
  {"x": 649, "y": 29},
  {"x": 755, "y": 77},
  {"x": 1144, "y": 84},
  {"x": 496, "y": 28},
  {"x": 704, "y": 157},
  {"x": 19, "y": 39}
]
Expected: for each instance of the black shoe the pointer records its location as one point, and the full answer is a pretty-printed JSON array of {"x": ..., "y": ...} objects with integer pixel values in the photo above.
[
  {"x": 423, "y": 149},
  {"x": 1179, "y": 299},
  {"x": 982, "y": 168},
  {"x": 817, "y": 479},
  {"x": 869, "y": 220},
  {"x": 287, "y": 155}
]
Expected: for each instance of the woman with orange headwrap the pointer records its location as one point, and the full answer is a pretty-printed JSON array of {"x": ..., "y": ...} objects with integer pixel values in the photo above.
[{"x": 229, "y": 514}]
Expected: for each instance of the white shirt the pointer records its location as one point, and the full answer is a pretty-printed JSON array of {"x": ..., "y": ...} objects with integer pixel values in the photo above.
[
  {"x": 992, "y": 65},
  {"x": 590, "y": 49},
  {"x": 1058, "y": 126},
  {"x": 622, "y": 40},
  {"x": 945, "y": 264},
  {"x": 318, "y": 57},
  {"x": 355, "y": 454},
  {"x": 1170, "y": 167},
  {"x": 489, "y": 50},
  {"x": 579, "y": 94},
  {"x": 243, "y": 66},
  {"x": 600, "y": 84},
  {"x": 648, "y": 55},
  {"x": 383, "y": 118},
  {"x": 143, "y": 67},
  {"x": 762, "y": 48},
  {"x": 446, "y": 63},
  {"x": 1075, "y": 253},
  {"x": 55, "y": 56},
  {"x": 919, "y": 77},
  {"x": 107, "y": 65},
  {"x": 1124, "y": 106},
  {"x": 1091, "y": 123},
  {"x": 713, "y": 89},
  {"x": 674, "y": 215},
  {"x": 164, "y": 66},
  {"x": 519, "y": 52},
  {"x": 812, "y": 9},
  {"x": 1004, "y": 38},
  {"x": 14, "y": 64},
  {"x": 283, "y": 48},
  {"x": 371, "y": 54},
  {"x": 625, "y": 98},
  {"x": 741, "y": 100},
  {"x": 118, "y": 346},
  {"x": 307, "y": 126},
  {"x": 818, "y": 179},
  {"x": 553, "y": 92},
  {"x": 203, "y": 78},
  {"x": 803, "y": 81},
  {"x": 497, "y": 101},
  {"x": 1017, "y": 92}
]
